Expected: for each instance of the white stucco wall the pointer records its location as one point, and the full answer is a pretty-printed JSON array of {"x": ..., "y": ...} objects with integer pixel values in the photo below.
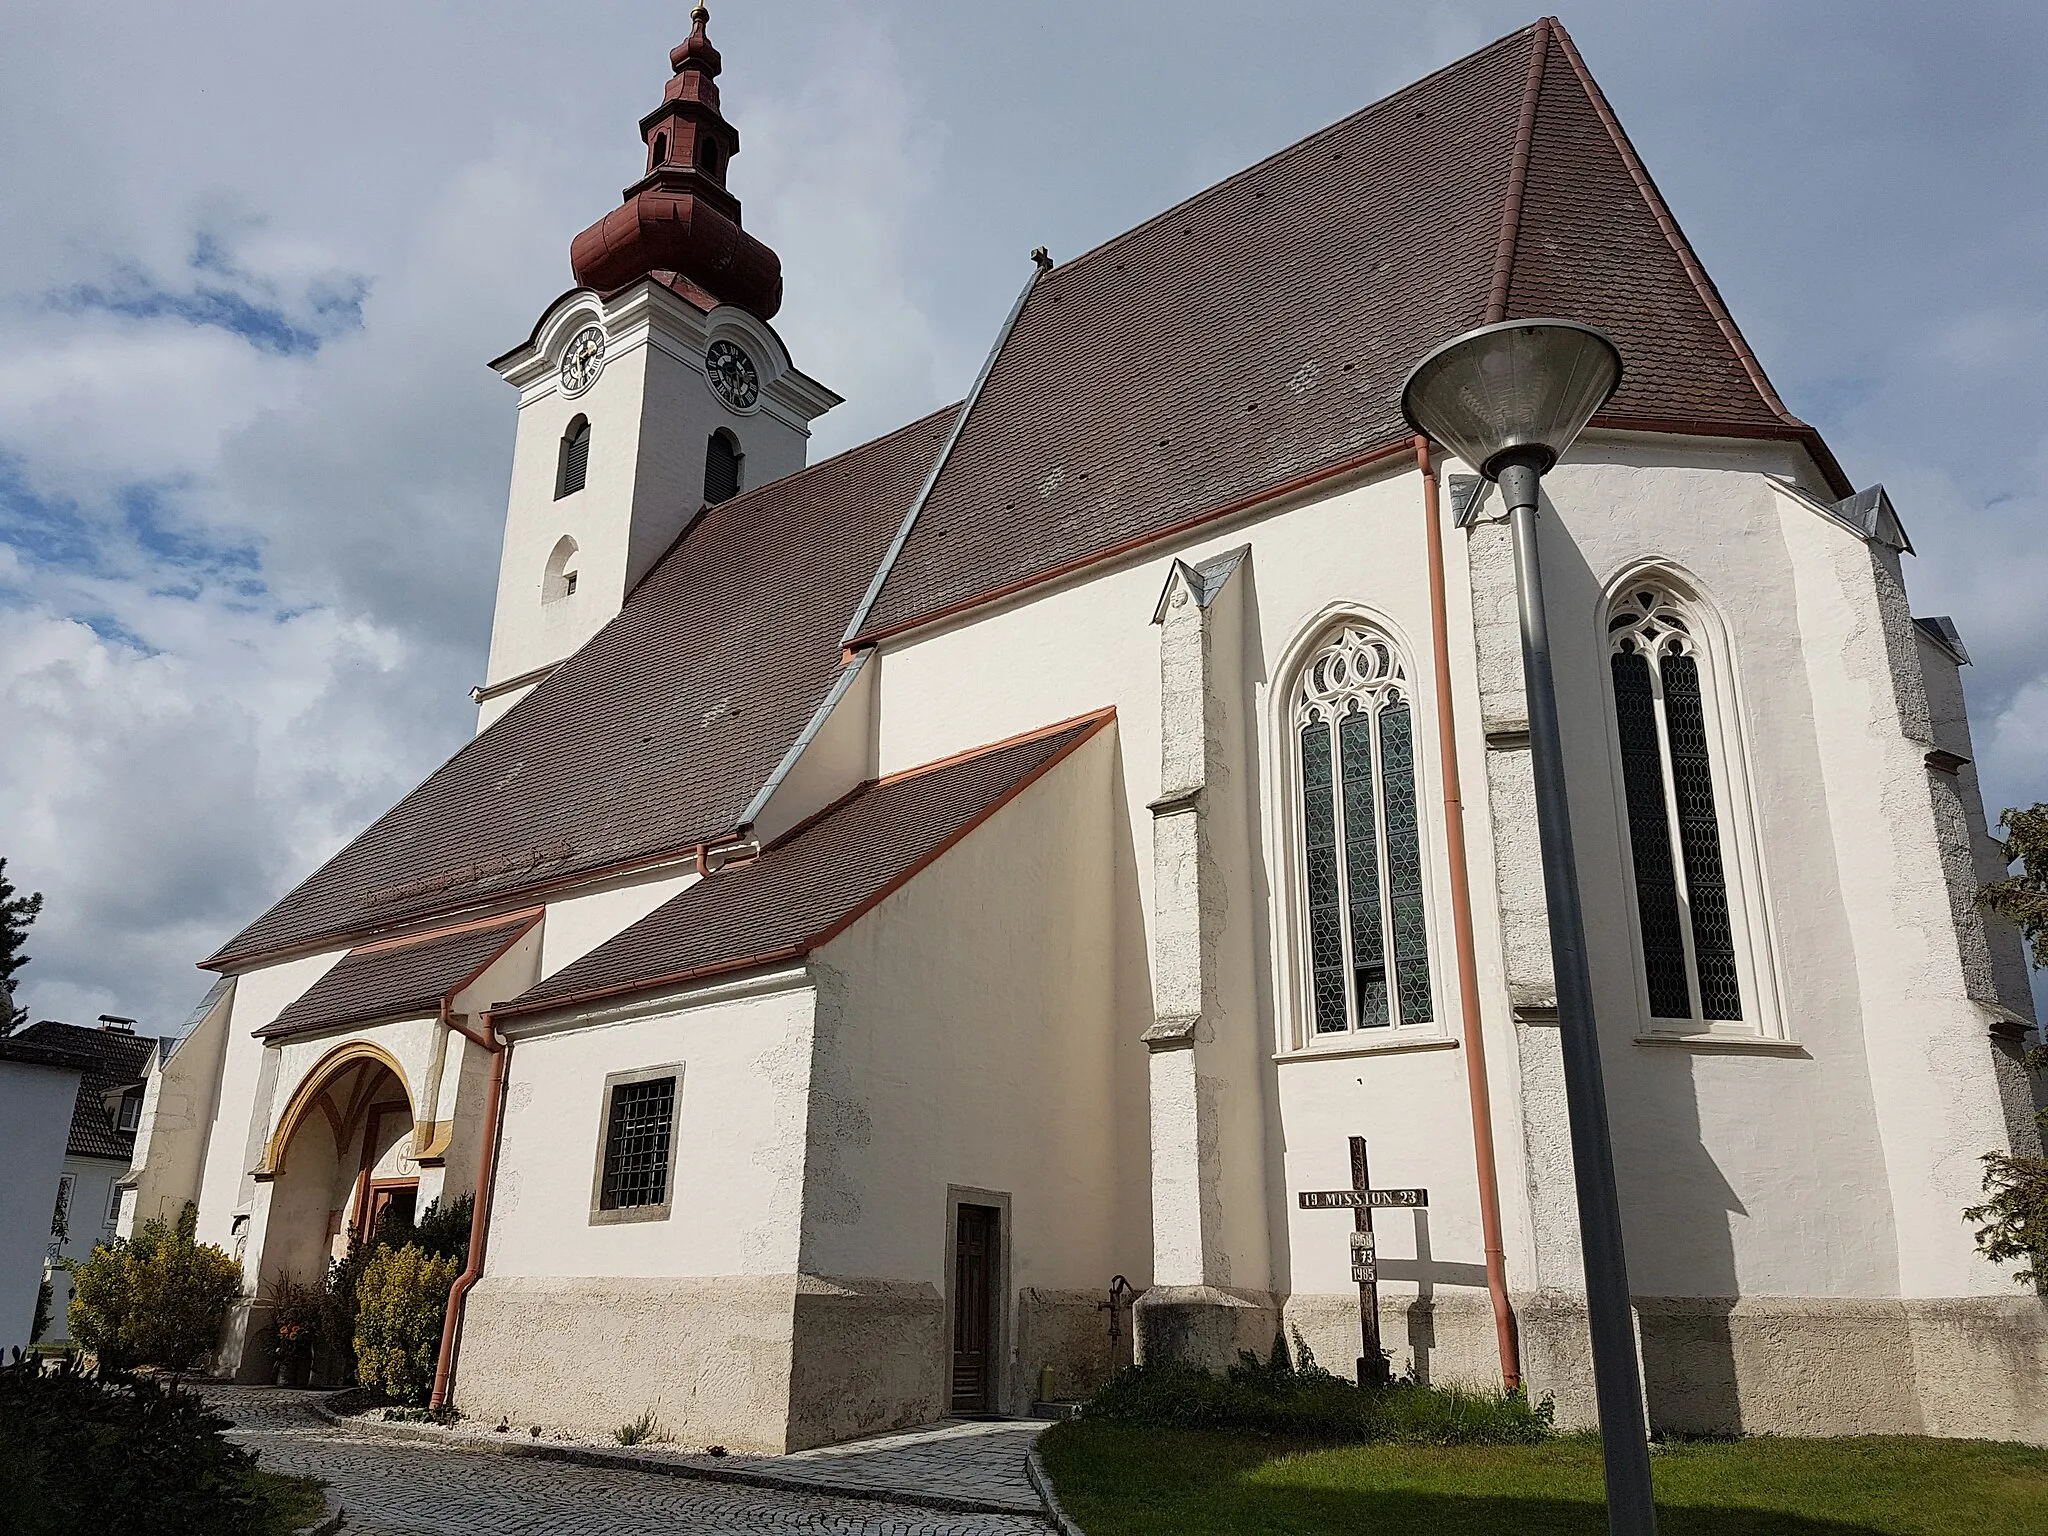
[
  {"x": 580, "y": 920},
  {"x": 179, "y": 1102},
  {"x": 744, "y": 1064},
  {"x": 35, "y": 1123}
]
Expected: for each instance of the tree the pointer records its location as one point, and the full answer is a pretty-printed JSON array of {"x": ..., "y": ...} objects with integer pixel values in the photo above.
[
  {"x": 2014, "y": 1216},
  {"x": 16, "y": 913}
]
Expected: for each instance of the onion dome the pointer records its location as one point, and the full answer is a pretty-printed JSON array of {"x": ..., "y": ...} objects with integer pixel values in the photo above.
[{"x": 679, "y": 218}]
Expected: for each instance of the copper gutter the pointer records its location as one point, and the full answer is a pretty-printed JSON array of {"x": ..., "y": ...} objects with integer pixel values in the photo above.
[
  {"x": 1476, "y": 1089},
  {"x": 480, "y": 1218}
]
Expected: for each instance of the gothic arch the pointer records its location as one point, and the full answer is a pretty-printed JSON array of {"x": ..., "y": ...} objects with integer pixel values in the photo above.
[{"x": 313, "y": 1088}]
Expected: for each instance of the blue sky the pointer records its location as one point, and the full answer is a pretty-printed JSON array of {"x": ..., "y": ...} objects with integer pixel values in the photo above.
[{"x": 252, "y": 467}]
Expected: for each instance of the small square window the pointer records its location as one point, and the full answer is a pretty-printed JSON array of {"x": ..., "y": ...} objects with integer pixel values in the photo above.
[
  {"x": 131, "y": 1112},
  {"x": 637, "y": 1147}
]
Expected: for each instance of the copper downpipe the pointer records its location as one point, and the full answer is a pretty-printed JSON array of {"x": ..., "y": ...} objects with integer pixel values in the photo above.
[
  {"x": 480, "y": 1218},
  {"x": 1461, "y": 920}
]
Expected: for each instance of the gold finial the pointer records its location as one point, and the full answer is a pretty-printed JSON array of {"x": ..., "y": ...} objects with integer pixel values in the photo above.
[{"x": 701, "y": 14}]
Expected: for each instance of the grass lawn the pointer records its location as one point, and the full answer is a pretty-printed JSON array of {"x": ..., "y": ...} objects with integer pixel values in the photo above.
[
  {"x": 1116, "y": 1480},
  {"x": 293, "y": 1501}
]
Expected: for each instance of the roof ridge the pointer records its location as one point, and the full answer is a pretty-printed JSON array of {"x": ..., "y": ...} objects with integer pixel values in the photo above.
[
  {"x": 1285, "y": 150},
  {"x": 1518, "y": 178},
  {"x": 1688, "y": 259}
]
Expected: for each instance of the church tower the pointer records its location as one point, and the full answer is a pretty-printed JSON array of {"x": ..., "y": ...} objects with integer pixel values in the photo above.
[{"x": 652, "y": 389}]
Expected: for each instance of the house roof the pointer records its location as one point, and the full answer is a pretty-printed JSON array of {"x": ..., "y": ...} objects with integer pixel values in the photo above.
[
  {"x": 816, "y": 881},
  {"x": 1256, "y": 336},
  {"x": 399, "y": 978},
  {"x": 117, "y": 1060},
  {"x": 651, "y": 739}
]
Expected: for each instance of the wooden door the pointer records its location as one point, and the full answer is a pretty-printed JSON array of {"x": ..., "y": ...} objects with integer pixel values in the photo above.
[{"x": 975, "y": 1237}]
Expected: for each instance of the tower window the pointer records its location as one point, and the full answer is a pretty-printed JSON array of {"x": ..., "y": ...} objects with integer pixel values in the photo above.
[
  {"x": 559, "y": 580},
  {"x": 707, "y": 154},
  {"x": 1663, "y": 715},
  {"x": 722, "y": 461},
  {"x": 1366, "y": 917},
  {"x": 573, "y": 463},
  {"x": 660, "y": 154}
]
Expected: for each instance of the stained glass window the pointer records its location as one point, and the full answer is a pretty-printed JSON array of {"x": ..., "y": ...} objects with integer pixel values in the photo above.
[
  {"x": 1367, "y": 930},
  {"x": 1684, "y": 918}
]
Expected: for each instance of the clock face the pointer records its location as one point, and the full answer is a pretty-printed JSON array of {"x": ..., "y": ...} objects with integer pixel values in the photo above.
[
  {"x": 582, "y": 360},
  {"x": 732, "y": 375}
]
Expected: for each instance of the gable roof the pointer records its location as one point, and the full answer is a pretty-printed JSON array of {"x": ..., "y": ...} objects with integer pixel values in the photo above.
[
  {"x": 1255, "y": 337},
  {"x": 650, "y": 739},
  {"x": 816, "y": 881},
  {"x": 399, "y": 978},
  {"x": 117, "y": 1060}
]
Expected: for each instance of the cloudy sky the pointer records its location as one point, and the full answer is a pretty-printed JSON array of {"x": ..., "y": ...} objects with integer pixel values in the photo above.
[{"x": 254, "y": 256}]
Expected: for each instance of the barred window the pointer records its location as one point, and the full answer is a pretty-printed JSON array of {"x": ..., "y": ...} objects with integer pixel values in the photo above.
[
  {"x": 1685, "y": 922},
  {"x": 636, "y": 1144},
  {"x": 1367, "y": 929}
]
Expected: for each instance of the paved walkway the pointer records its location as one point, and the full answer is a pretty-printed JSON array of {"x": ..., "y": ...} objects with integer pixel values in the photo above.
[{"x": 393, "y": 1487}]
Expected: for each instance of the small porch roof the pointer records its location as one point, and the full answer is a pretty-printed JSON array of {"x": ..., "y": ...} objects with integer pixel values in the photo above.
[{"x": 399, "y": 978}]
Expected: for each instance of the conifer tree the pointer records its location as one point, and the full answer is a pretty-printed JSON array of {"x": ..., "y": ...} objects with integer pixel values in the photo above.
[{"x": 16, "y": 913}]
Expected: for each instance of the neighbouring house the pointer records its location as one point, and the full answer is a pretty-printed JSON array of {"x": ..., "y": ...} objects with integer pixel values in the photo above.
[
  {"x": 106, "y": 1113},
  {"x": 890, "y": 901},
  {"x": 38, "y": 1092}
]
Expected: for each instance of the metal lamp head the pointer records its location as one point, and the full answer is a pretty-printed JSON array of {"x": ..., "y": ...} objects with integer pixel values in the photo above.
[{"x": 1515, "y": 393}]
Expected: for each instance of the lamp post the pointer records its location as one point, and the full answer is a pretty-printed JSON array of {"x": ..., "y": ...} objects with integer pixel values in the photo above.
[{"x": 1509, "y": 399}]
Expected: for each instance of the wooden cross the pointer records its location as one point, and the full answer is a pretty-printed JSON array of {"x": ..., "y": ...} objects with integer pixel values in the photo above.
[{"x": 1361, "y": 1199}]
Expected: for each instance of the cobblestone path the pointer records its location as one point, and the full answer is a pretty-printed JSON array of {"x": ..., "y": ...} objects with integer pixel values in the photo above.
[{"x": 399, "y": 1488}]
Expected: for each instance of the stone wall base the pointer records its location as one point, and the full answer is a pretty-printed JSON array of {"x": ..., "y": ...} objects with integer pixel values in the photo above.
[
  {"x": 866, "y": 1356},
  {"x": 1069, "y": 1331},
  {"x": 1780, "y": 1365},
  {"x": 244, "y": 1353},
  {"x": 1203, "y": 1325}
]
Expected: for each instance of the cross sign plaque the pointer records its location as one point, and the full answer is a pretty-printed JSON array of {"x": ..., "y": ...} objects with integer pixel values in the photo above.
[{"x": 1361, "y": 1199}]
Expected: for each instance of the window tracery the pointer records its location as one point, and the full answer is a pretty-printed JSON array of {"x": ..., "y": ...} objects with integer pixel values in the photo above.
[{"x": 1366, "y": 913}]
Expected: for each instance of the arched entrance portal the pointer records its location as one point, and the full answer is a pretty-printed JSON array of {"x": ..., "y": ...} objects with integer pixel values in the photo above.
[{"x": 340, "y": 1158}]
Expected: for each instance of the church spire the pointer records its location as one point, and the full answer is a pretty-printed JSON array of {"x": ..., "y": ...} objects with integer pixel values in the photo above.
[{"x": 679, "y": 219}]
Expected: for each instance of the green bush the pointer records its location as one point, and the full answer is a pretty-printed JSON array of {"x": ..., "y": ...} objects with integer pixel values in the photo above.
[
  {"x": 135, "y": 1457},
  {"x": 160, "y": 1298},
  {"x": 400, "y": 1303},
  {"x": 1292, "y": 1396}
]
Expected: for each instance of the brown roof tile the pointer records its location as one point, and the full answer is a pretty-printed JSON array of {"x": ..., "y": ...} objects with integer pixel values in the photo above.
[
  {"x": 652, "y": 738},
  {"x": 817, "y": 880},
  {"x": 1258, "y": 334},
  {"x": 117, "y": 1060},
  {"x": 398, "y": 980}
]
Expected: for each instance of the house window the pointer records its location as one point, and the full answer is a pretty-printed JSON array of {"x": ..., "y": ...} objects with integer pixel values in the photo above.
[
  {"x": 1366, "y": 927},
  {"x": 60, "y": 1216},
  {"x": 1664, "y": 721},
  {"x": 638, "y": 1150},
  {"x": 113, "y": 1203},
  {"x": 131, "y": 1112},
  {"x": 722, "y": 459},
  {"x": 572, "y": 464}
]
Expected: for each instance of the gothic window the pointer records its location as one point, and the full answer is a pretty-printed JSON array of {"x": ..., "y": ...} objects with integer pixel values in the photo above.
[
  {"x": 722, "y": 460},
  {"x": 1663, "y": 716},
  {"x": 1366, "y": 917},
  {"x": 559, "y": 581},
  {"x": 573, "y": 462}
]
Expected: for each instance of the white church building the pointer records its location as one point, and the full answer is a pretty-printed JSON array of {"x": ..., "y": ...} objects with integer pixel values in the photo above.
[{"x": 891, "y": 900}]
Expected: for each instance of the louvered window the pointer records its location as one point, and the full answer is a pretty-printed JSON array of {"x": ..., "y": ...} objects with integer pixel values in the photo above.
[
  {"x": 636, "y": 1144},
  {"x": 1367, "y": 928},
  {"x": 1683, "y": 914},
  {"x": 722, "y": 459},
  {"x": 573, "y": 463}
]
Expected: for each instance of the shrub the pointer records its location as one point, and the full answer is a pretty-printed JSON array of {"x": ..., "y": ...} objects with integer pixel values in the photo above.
[
  {"x": 159, "y": 1298},
  {"x": 297, "y": 1312},
  {"x": 1294, "y": 1397},
  {"x": 131, "y": 1456},
  {"x": 645, "y": 1430},
  {"x": 400, "y": 1303}
]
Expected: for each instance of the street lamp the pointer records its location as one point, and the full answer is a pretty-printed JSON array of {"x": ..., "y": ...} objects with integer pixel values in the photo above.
[{"x": 1508, "y": 399}]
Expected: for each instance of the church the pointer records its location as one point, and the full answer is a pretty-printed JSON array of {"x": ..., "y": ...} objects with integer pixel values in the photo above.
[{"x": 910, "y": 926}]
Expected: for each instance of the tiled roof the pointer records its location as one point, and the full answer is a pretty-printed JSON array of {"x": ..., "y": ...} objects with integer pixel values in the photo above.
[
  {"x": 118, "y": 1060},
  {"x": 815, "y": 882},
  {"x": 1257, "y": 335},
  {"x": 398, "y": 980},
  {"x": 653, "y": 737}
]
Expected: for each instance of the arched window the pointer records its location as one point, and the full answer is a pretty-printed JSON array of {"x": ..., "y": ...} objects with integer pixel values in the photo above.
[
  {"x": 573, "y": 463},
  {"x": 1366, "y": 917},
  {"x": 559, "y": 581},
  {"x": 707, "y": 153},
  {"x": 1665, "y": 720},
  {"x": 722, "y": 461},
  {"x": 659, "y": 156}
]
